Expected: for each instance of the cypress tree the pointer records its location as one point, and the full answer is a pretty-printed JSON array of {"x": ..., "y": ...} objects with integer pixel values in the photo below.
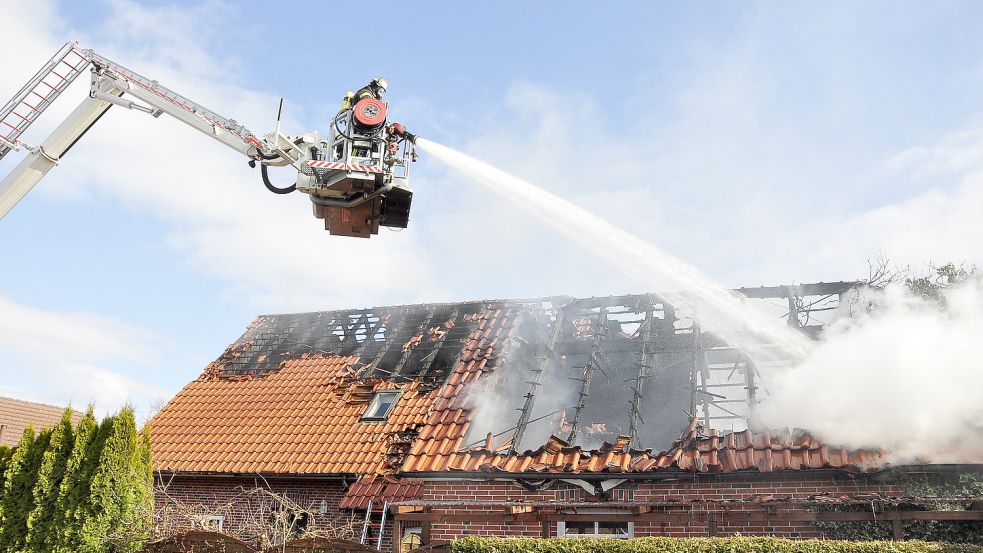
[
  {"x": 120, "y": 489},
  {"x": 18, "y": 497},
  {"x": 46, "y": 489},
  {"x": 5, "y": 454},
  {"x": 74, "y": 501},
  {"x": 140, "y": 517}
]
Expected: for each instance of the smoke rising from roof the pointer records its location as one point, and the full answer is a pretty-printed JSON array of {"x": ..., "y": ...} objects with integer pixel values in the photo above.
[{"x": 905, "y": 377}]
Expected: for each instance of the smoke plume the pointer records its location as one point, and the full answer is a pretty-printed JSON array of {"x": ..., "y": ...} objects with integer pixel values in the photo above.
[{"x": 905, "y": 376}]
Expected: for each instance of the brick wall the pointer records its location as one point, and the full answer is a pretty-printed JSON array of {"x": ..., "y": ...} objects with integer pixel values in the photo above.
[
  {"x": 223, "y": 495},
  {"x": 717, "y": 487},
  {"x": 226, "y": 496}
]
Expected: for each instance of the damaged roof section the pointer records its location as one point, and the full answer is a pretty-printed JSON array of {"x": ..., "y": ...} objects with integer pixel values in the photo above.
[
  {"x": 293, "y": 394},
  {"x": 696, "y": 450},
  {"x": 284, "y": 399}
]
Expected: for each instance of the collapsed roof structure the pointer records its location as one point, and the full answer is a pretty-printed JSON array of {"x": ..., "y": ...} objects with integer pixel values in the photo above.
[{"x": 468, "y": 383}]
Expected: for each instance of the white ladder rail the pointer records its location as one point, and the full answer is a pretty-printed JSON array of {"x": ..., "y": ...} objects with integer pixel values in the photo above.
[
  {"x": 34, "y": 97},
  {"x": 382, "y": 525},
  {"x": 366, "y": 523}
]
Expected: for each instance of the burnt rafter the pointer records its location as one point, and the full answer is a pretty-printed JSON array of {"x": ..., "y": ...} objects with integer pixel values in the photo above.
[
  {"x": 600, "y": 328},
  {"x": 525, "y": 412},
  {"x": 370, "y": 334},
  {"x": 644, "y": 362},
  {"x": 428, "y": 362},
  {"x": 408, "y": 347}
]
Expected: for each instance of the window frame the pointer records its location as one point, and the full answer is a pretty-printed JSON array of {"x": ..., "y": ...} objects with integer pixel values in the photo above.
[
  {"x": 375, "y": 404},
  {"x": 214, "y": 523},
  {"x": 561, "y": 530}
]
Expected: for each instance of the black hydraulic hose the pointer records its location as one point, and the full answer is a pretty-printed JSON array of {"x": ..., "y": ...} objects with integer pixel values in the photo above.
[
  {"x": 353, "y": 202},
  {"x": 269, "y": 185}
]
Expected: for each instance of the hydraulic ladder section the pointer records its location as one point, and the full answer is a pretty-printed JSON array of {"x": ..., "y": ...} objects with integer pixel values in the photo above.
[
  {"x": 31, "y": 100},
  {"x": 165, "y": 100}
]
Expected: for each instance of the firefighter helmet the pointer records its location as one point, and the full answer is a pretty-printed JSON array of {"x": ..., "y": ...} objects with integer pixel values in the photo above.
[{"x": 381, "y": 83}]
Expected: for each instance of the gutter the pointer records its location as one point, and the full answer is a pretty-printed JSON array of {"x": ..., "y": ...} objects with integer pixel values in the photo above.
[
  {"x": 343, "y": 477},
  {"x": 662, "y": 475}
]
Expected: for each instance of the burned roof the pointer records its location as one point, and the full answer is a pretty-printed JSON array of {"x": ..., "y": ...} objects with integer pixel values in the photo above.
[{"x": 475, "y": 384}]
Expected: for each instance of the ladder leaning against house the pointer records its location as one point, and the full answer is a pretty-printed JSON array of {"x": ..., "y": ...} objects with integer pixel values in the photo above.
[{"x": 368, "y": 525}]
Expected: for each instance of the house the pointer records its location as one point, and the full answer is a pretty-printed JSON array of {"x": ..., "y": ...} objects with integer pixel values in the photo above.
[
  {"x": 16, "y": 415},
  {"x": 614, "y": 416}
]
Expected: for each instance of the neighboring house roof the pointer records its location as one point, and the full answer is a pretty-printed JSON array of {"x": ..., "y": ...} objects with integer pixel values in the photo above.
[
  {"x": 16, "y": 415},
  {"x": 288, "y": 397}
]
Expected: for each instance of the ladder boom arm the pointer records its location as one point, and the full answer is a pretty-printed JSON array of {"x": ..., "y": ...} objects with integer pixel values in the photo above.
[
  {"x": 43, "y": 158},
  {"x": 165, "y": 100},
  {"x": 110, "y": 80}
]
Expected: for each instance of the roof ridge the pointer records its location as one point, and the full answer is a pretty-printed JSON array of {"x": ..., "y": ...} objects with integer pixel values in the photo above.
[{"x": 18, "y": 400}]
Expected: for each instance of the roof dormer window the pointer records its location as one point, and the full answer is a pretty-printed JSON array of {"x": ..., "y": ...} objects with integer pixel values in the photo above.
[{"x": 381, "y": 405}]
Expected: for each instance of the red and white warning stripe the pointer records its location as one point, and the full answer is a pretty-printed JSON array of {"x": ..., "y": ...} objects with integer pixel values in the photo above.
[{"x": 343, "y": 166}]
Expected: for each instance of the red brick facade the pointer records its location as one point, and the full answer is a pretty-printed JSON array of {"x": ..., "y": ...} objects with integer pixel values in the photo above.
[
  {"x": 229, "y": 497},
  {"x": 225, "y": 496},
  {"x": 688, "y": 492}
]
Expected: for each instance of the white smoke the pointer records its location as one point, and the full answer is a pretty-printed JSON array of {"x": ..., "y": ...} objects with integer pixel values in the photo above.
[{"x": 905, "y": 377}]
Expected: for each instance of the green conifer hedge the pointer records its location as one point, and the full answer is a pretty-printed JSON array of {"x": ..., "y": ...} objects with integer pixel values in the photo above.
[
  {"x": 86, "y": 489},
  {"x": 700, "y": 545}
]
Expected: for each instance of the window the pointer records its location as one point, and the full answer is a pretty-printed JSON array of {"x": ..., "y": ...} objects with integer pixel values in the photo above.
[
  {"x": 381, "y": 405},
  {"x": 213, "y": 523},
  {"x": 297, "y": 523},
  {"x": 622, "y": 530}
]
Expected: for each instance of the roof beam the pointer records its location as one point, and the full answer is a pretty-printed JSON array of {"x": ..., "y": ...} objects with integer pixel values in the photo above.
[
  {"x": 526, "y": 411},
  {"x": 439, "y": 343},
  {"x": 644, "y": 360},
  {"x": 408, "y": 352},
  {"x": 600, "y": 327}
]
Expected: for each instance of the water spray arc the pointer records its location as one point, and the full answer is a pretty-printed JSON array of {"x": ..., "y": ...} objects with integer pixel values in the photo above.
[{"x": 720, "y": 310}]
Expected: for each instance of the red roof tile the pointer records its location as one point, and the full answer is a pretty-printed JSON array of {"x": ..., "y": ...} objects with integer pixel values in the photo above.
[
  {"x": 694, "y": 451},
  {"x": 379, "y": 490}
]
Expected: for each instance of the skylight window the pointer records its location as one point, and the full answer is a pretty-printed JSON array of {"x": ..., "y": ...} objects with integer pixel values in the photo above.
[{"x": 381, "y": 405}]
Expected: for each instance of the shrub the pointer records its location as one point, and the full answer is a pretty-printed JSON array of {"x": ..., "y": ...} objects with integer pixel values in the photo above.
[{"x": 699, "y": 545}]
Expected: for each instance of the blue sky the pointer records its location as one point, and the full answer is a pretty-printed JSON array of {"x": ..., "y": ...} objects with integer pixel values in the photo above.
[{"x": 763, "y": 142}]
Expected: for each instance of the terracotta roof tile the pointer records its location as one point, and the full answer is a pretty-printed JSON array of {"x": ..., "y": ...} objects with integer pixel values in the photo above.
[{"x": 692, "y": 451}]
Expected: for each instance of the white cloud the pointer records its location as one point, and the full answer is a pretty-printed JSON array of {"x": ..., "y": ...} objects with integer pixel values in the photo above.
[{"x": 60, "y": 357}]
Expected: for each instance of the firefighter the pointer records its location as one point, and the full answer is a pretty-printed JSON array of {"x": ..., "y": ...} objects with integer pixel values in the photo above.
[
  {"x": 346, "y": 102},
  {"x": 375, "y": 89}
]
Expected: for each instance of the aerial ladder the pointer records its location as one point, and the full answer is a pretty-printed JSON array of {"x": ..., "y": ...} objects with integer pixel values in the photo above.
[{"x": 357, "y": 177}]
